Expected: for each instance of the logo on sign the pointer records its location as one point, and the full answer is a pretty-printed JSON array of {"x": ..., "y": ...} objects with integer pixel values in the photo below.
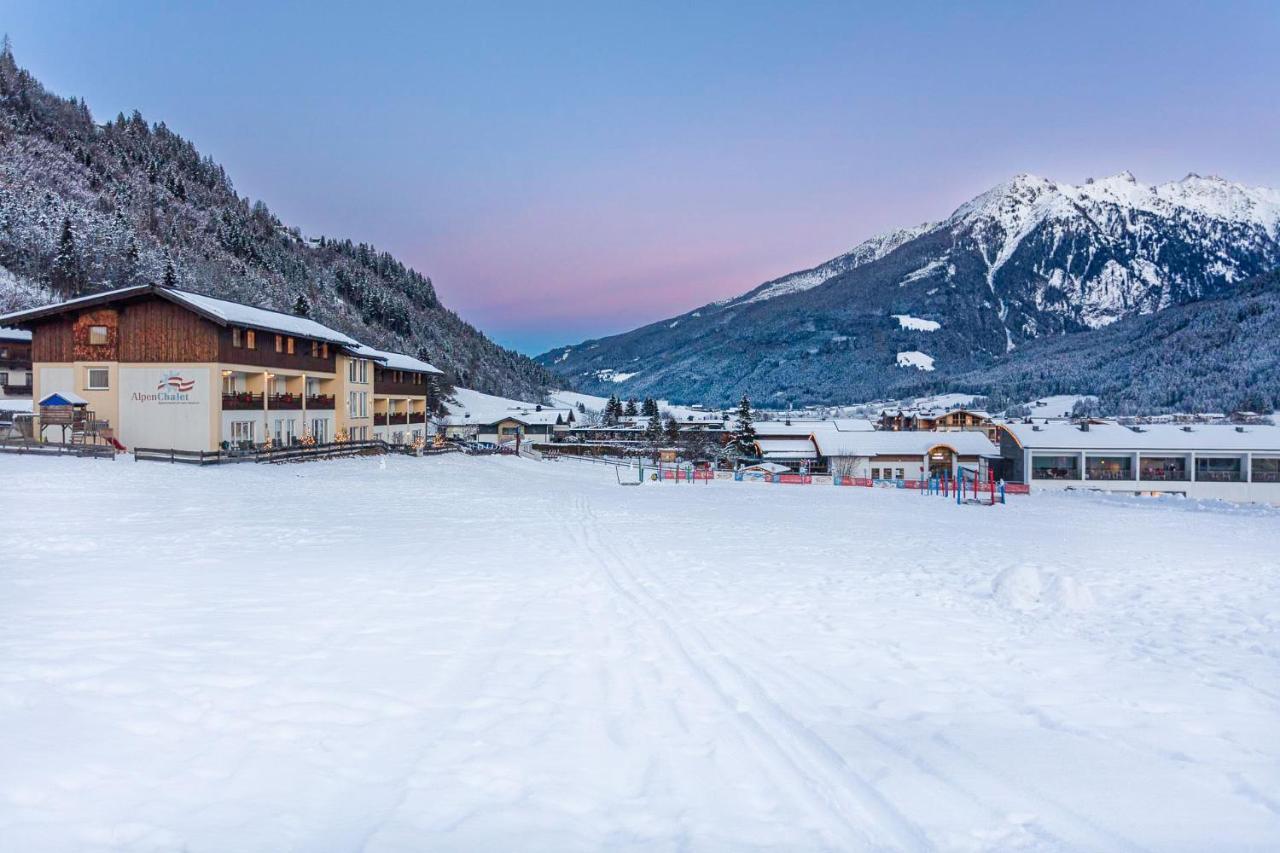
[{"x": 173, "y": 381}]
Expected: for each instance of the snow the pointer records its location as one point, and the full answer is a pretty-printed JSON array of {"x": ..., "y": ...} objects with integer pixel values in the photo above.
[
  {"x": 916, "y": 359},
  {"x": 395, "y": 360},
  {"x": 915, "y": 443},
  {"x": 864, "y": 253},
  {"x": 610, "y": 375},
  {"x": 246, "y": 315},
  {"x": 7, "y": 334},
  {"x": 1107, "y": 436},
  {"x": 906, "y": 321},
  {"x": 494, "y": 654}
]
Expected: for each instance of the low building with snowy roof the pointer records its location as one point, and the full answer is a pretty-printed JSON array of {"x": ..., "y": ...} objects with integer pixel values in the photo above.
[
  {"x": 404, "y": 394},
  {"x": 1231, "y": 462},
  {"x": 908, "y": 455},
  {"x": 172, "y": 369}
]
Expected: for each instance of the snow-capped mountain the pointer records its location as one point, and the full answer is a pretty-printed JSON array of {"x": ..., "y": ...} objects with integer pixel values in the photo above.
[{"x": 1028, "y": 258}]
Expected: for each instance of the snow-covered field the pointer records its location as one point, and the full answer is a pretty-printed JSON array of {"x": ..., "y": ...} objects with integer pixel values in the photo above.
[{"x": 497, "y": 654}]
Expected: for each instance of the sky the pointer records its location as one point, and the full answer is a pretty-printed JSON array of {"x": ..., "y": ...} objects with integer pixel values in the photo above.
[{"x": 571, "y": 170}]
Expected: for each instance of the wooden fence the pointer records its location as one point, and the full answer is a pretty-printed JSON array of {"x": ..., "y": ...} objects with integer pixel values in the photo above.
[{"x": 287, "y": 453}]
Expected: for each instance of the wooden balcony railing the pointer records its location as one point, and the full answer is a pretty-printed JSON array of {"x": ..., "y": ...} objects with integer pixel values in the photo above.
[
  {"x": 285, "y": 401},
  {"x": 16, "y": 390},
  {"x": 241, "y": 402},
  {"x": 399, "y": 418},
  {"x": 320, "y": 401},
  {"x": 379, "y": 419},
  {"x": 417, "y": 417}
]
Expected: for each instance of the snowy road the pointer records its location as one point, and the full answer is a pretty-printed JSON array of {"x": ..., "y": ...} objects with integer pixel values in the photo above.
[{"x": 496, "y": 654}]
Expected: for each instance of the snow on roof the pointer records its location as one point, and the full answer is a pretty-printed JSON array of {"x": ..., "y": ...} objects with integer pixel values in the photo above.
[
  {"x": 63, "y": 398},
  {"x": 11, "y": 404},
  {"x": 395, "y": 360},
  {"x": 768, "y": 467},
  {"x": 234, "y": 313},
  {"x": 886, "y": 442},
  {"x": 14, "y": 334},
  {"x": 1208, "y": 437},
  {"x": 223, "y": 311},
  {"x": 786, "y": 448}
]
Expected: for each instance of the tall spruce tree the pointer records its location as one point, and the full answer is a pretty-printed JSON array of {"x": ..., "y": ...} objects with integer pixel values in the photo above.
[
  {"x": 170, "y": 274},
  {"x": 671, "y": 430},
  {"x": 67, "y": 273},
  {"x": 653, "y": 430},
  {"x": 632, "y": 411},
  {"x": 649, "y": 408},
  {"x": 302, "y": 305},
  {"x": 744, "y": 438},
  {"x": 612, "y": 409}
]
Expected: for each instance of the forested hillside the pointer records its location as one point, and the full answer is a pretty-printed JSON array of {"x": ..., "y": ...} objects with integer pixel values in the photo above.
[{"x": 86, "y": 207}]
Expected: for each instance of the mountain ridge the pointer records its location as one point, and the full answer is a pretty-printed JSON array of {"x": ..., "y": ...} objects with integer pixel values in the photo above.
[{"x": 1026, "y": 259}]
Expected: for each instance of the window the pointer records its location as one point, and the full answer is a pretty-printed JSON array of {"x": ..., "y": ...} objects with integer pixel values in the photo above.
[
  {"x": 1219, "y": 469},
  {"x": 324, "y": 350},
  {"x": 250, "y": 339},
  {"x": 97, "y": 379},
  {"x": 899, "y": 472},
  {"x": 97, "y": 336},
  {"x": 1109, "y": 468},
  {"x": 351, "y": 370},
  {"x": 4, "y": 378},
  {"x": 364, "y": 404},
  {"x": 1163, "y": 468},
  {"x": 242, "y": 431},
  {"x": 284, "y": 431},
  {"x": 1055, "y": 467},
  {"x": 351, "y": 404},
  {"x": 364, "y": 372},
  {"x": 237, "y": 339},
  {"x": 232, "y": 383},
  {"x": 315, "y": 349},
  {"x": 1265, "y": 470},
  {"x": 279, "y": 343},
  {"x": 320, "y": 430},
  {"x": 875, "y": 473}
]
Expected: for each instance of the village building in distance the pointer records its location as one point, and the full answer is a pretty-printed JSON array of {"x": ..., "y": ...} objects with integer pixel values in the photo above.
[
  {"x": 165, "y": 368},
  {"x": 15, "y": 364}
]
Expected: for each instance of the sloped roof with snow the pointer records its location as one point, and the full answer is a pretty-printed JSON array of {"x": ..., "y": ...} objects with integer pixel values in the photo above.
[
  {"x": 891, "y": 443},
  {"x": 220, "y": 311},
  {"x": 395, "y": 360},
  {"x": 1207, "y": 437},
  {"x": 14, "y": 334},
  {"x": 786, "y": 448}
]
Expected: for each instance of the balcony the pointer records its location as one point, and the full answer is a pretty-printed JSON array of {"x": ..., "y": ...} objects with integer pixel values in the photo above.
[
  {"x": 398, "y": 418},
  {"x": 417, "y": 417},
  {"x": 242, "y": 401},
  {"x": 285, "y": 401},
  {"x": 16, "y": 390},
  {"x": 320, "y": 401},
  {"x": 379, "y": 419}
]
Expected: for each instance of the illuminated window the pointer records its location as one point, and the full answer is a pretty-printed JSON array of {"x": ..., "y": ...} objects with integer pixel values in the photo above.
[
  {"x": 236, "y": 339},
  {"x": 279, "y": 343},
  {"x": 250, "y": 339}
]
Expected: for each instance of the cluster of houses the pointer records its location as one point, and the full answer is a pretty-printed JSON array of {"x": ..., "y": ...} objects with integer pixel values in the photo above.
[{"x": 156, "y": 367}]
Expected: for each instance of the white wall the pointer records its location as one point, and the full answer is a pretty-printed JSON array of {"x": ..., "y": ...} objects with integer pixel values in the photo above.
[{"x": 155, "y": 413}]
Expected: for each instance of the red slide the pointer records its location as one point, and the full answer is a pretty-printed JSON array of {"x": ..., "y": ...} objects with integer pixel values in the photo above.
[{"x": 115, "y": 442}]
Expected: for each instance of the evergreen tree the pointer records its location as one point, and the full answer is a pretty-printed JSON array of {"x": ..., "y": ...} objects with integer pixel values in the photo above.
[
  {"x": 129, "y": 264},
  {"x": 672, "y": 430},
  {"x": 170, "y": 274},
  {"x": 653, "y": 430},
  {"x": 612, "y": 410},
  {"x": 649, "y": 408},
  {"x": 745, "y": 437},
  {"x": 302, "y": 306},
  {"x": 67, "y": 272},
  {"x": 632, "y": 411}
]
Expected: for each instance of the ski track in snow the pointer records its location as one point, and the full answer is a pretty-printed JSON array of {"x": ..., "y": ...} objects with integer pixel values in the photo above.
[{"x": 466, "y": 654}]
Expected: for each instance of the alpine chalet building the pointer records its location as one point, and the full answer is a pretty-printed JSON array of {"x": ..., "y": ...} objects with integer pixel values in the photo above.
[{"x": 167, "y": 368}]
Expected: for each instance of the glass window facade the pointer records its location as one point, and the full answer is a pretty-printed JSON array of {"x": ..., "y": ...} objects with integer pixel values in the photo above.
[
  {"x": 1266, "y": 469},
  {"x": 1109, "y": 468},
  {"x": 1164, "y": 469},
  {"x": 1049, "y": 467},
  {"x": 1219, "y": 469}
]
